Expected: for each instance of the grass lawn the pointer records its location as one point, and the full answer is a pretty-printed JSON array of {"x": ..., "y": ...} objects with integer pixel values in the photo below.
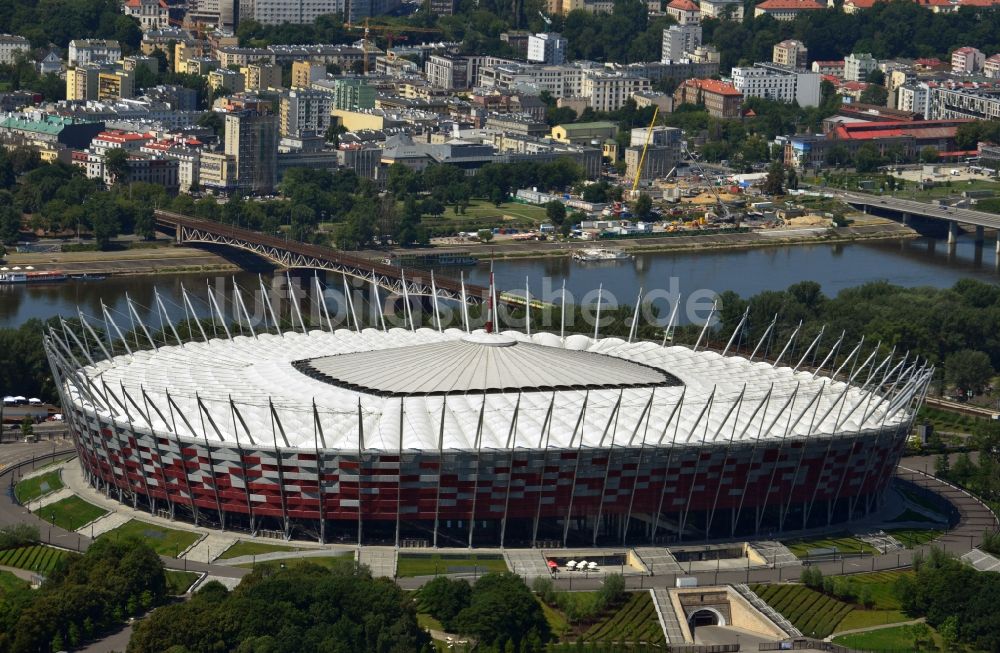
[
  {"x": 32, "y": 488},
  {"x": 843, "y": 544},
  {"x": 11, "y": 584},
  {"x": 866, "y": 618},
  {"x": 910, "y": 537},
  {"x": 416, "y": 564},
  {"x": 244, "y": 548},
  {"x": 880, "y": 585},
  {"x": 900, "y": 638},
  {"x": 483, "y": 209},
  {"x": 70, "y": 513},
  {"x": 557, "y": 621},
  {"x": 178, "y": 582},
  {"x": 815, "y": 614},
  {"x": 330, "y": 562},
  {"x": 165, "y": 541},
  {"x": 426, "y": 621}
]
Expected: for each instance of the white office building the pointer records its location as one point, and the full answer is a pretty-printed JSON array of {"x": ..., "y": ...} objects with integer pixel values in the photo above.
[
  {"x": 774, "y": 82},
  {"x": 548, "y": 48},
  {"x": 916, "y": 98}
]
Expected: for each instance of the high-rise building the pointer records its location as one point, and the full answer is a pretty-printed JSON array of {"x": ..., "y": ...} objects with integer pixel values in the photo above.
[
  {"x": 82, "y": 82},
  {"x": 547, "y": 48},
  {"x": 304, "y": 113},
  {"x": 678, "y": 40},
  {"x": 352, "y": 94},
  {"x": 115, "y": 85},
  {"x": 252, "y": 141},
  {"x": 967, "y": 60},
  {"x": 791, "y": 53},
  {"x": 294, "y": 12}
]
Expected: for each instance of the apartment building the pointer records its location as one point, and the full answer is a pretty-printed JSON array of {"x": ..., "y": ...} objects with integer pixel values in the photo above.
[
  {"x": 251, "y": 139},
  {"x": 791, "y": 53},
  {"x": 237, "y": 56},
  {"x": 223, "y": 78},
  {"x": 679, "y": 40},
  {"x": 967, "y": 60},
  {"x": 261, "y": 76},
  {"x": 832, "y": 68},
  {"x": 116, "y": 85},
  {"x": 771, "y": 81},
  {"x": 304, "y": 113},
  {"x": 991, "y": 66},
  {"x": 722, "y": 9},
  {"x": 858, "y": 66},
  {"x": 685, "y": 12},
  {"x": 786, "y": 10},
  {"x": 294, "y": 12},
  {"x": 916, "y": 98},
  {"x": 151, "y": 14},
  {"x": 84, "y": 51},
  {"x": 970, "y": 103},
  {"x": 11, "y": 45},
  {"x": 720, "y": 99},
  {"x": 304, "y": 73}
]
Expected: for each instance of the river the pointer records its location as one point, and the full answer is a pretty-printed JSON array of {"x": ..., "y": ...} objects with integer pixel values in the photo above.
[{"x": 917, "y": 262}]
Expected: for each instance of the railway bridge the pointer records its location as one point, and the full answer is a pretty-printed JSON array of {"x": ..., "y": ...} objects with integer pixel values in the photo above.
[{"x": 293, "y": 254}]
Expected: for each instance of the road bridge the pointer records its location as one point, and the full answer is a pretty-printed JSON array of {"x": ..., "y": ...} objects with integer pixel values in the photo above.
[
  {"x": 906, "y": 209},
  {"x": 293, "y": 254}
]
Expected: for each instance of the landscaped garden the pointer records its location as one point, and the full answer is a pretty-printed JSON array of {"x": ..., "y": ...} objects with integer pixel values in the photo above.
[
  {"x": 246, "y": 548},
  {"x": 913, "y": 637},
  {"x": 31, "y": 488},
  {"x": 836, "y": 603},
  {"x": 165, "y": 541},
  {"x": 70, "y": 513},
  {"x": 844, "y": 544},
  {"x": 178, "y": 582},
  {"x": 419, "y": 564},
  {"x": 636, "y": 621},
  {"x": 37, "y": 558},
  {"x": 330, "y": 562}
]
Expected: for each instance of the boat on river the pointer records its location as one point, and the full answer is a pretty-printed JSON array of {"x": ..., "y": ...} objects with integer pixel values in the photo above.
[{"x": 600, "y": 254}]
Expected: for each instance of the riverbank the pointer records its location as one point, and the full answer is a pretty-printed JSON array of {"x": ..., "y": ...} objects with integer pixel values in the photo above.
[
  {"x": 877, "y": 231},
  {"x": 181, "y": 260},
  {"x": 160, "y": 260}
]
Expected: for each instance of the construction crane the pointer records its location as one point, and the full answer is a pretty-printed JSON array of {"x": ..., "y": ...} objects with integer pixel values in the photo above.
[
  {"x": 726, "y": 213},
  {"x": 645, "y": 146},
  {"x": 397, "y": 32}
]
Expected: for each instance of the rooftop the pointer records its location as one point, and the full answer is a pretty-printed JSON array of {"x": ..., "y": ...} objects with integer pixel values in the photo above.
[
  {"x": 683, "y": 5},
  {"x": 784, "y": 5},
  {"x": 713, "y": 86}
]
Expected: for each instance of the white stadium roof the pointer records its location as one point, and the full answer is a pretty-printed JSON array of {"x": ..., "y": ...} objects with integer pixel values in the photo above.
[{"x": 610, "y": 391}]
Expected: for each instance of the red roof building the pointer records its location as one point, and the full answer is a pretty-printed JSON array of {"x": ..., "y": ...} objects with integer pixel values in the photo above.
[
  {"x": 786, "y": 9},
  {"x": 720, "y": 99}
]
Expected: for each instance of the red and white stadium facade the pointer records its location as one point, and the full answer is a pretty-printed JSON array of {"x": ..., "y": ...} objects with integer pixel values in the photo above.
[{"x": 449, "y": 437}]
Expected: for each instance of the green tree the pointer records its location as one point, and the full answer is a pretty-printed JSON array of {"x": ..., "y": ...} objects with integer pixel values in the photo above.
[
  {"x": 10, "y": 225},
  {"x": 929, "y": 154},
  {"x": 642, "y": 207},
  {"x": 774, "y": 183},
  {"x": 485, "y": 235},
  {"x": 444, "y": 598},
  {"x": 117, "y": 165},
  {"x": 867, "y": 158},
  {"x": 501, "y": 609},
  {"x": 967, "y": 369},
  {"x": 555, "y": 212}
]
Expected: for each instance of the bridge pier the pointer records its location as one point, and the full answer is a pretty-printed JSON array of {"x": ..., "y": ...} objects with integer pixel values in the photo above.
[
  {"x": 952, "y": 232},
  {"x": 980, "y": 235},
  {"x": 998, "y": 245},
  {"x": 906, "y": 219}
]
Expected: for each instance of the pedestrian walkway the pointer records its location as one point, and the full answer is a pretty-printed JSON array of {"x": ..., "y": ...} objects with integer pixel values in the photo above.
[
  {"x": 866, "y": 629},
  {"x": 776, "y": 553},
  {"x": 527, "y": 563},
  {"x": 776, "y": 617},
  {"x": 211, "y": 546},
  {"x": 881, "y": 542},
  {"x": 659, "y": 561},
  {"x": 981, "y": 560},
  {"x": 102, "y": 525},
  {"x": 381, "y": 560},
  {"x": 47, "y": 499},
  {"x": 667, "y": 616}
]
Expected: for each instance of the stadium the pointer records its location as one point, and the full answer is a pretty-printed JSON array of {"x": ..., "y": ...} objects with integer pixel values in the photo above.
[{"x": 461, "y": 437}]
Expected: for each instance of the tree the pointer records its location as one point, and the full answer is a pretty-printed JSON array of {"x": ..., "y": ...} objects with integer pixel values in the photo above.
[
  {"x": 875, "y": 94},
  {"x": 867, "y": 158},
  {"x": 501, "y": 609},
  {"x": 485, "y": 235},
  {"x": 929, "y": 154},
  {"x": 332, "y": 134},
  {"x": 774, "y": 183},
  {"x": 27, "y": 428},
  {"x": 213, "y": 121},
  {"x": 792, "y": 179},
  {"x": 117, "y": 165},
  {"x": 642, "y": 207},
  {"x": 444, "y": 598},
  {"x": 967, "y": 369},
  {"x": 10, "y": 225},
  {"x": 838, "y": 156},
  {"x": 555, "y": 212}
]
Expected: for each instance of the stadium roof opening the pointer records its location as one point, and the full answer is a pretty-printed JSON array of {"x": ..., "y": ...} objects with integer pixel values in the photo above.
[{"x": 479, "y": 363}]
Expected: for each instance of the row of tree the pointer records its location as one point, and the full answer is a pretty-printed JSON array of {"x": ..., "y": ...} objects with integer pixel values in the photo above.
[
  {"x": 83, "y": 597},
  {"x": 301, "y": 608}
]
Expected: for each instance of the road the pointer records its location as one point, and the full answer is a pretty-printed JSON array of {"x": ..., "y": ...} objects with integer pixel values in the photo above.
[{"x": 913, "y": 207}]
